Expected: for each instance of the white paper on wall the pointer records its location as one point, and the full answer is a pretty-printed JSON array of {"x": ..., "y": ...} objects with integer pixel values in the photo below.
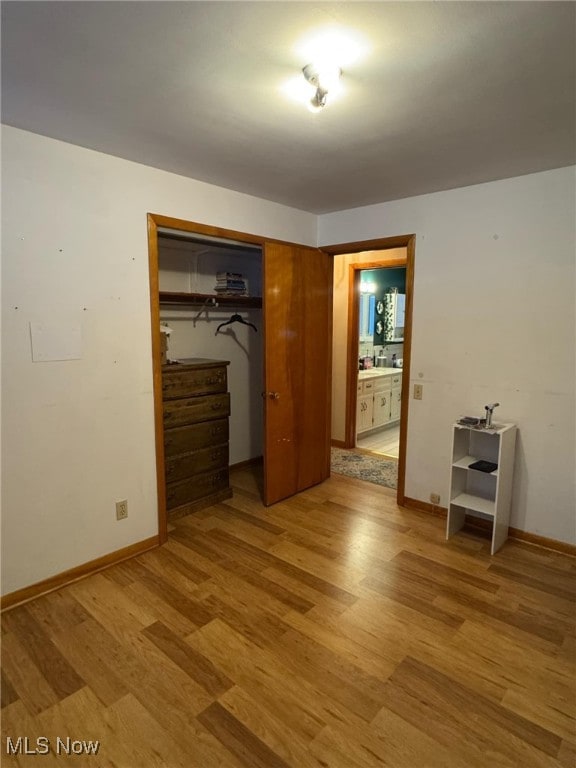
[{"x": 55, "y": 341}]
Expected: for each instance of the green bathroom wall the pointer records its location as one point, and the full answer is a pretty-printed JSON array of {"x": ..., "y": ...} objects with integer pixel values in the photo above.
[{"x": 385, "y": 279}]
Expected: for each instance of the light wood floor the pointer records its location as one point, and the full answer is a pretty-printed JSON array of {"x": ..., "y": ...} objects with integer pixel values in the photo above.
[
  {"x": 386, "y": 442},
  {"x": 334, "y": 630}
]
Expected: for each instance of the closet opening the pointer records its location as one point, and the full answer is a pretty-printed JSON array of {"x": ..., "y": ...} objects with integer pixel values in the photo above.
[
  {"x": 224, "y": 323},
  {"x": 211, "y": 359}
]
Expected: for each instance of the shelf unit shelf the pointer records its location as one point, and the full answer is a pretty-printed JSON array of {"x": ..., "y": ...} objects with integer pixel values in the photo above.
[
  {"x": 465, "y": 461},
  {"x": 477, "y": 493},
  {"x": 210, "y": 299},
  {"x": 474, "y": 503}
]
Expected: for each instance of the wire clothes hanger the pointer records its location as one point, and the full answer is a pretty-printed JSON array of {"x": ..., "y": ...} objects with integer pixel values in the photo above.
[{"x": 236, "y": 319}]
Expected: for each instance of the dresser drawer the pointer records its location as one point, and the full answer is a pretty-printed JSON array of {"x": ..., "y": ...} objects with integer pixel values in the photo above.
[
  {"x": 195, "y": 436},
  {"x": 396, "y": 380},
  {"x": 195, "y": 462},
  {"x": 186, "y": 383},
  {"x": 196, "y": 487},
  {"x": 193, "y": 409}
]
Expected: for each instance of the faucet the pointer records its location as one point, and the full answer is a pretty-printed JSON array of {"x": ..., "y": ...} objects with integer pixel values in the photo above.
[{"x": 489, "y": 411}]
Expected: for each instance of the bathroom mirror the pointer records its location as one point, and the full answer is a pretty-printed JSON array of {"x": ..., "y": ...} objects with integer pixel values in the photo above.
[{"x": 367, "y": 314}]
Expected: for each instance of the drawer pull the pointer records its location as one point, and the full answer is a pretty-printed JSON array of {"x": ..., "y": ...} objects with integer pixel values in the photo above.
[
  {"x": 217, "y": 406},
  {"x": 216, "y": 430}
]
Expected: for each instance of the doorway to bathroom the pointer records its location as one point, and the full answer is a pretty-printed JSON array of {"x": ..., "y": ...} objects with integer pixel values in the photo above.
[
  {"x": 382, "y": 302},
  {"x": 350, "y": 261}
]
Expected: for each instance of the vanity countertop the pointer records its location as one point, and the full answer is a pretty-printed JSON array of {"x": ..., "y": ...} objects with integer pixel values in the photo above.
[{"x": 373, "y": 373}]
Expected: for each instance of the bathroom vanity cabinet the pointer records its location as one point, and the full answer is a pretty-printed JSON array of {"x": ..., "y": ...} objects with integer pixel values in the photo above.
[
  {"x": 378, "y": 399},
  {"x": 482, "y": 494},
  {"x": 364, "y": 406}
]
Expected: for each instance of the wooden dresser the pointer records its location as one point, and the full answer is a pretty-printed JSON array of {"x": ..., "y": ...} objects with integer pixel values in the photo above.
[{"x": 196, "y": 407}]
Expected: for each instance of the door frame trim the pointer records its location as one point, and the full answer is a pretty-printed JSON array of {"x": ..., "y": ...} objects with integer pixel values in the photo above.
[
  {"x": 353, "y": 338},
  {"x": 379, "y": 244},
  {"x": 153, "y": 224}
]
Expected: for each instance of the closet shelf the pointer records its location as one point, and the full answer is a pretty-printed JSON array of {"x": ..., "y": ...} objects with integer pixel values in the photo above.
[{"x": 172, "y": 298}]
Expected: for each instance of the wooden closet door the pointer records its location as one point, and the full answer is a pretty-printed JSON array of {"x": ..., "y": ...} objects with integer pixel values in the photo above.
[{"x": 297, "y": 368}]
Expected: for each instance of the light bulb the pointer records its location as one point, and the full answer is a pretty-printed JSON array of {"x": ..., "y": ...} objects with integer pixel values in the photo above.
[
  {"x": 323, "y": 79},
  {"x": 328, "y": 76}
]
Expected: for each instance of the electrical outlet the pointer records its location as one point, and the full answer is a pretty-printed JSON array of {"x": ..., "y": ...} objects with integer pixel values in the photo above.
[
  {"x": 121, "y": 509},
  {"x": 418, "y": 391},
  {"x": 435, "y": 498}
]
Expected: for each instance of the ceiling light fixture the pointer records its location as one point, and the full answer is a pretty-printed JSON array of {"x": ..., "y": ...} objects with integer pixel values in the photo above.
[{"x": 323, "y": 78}]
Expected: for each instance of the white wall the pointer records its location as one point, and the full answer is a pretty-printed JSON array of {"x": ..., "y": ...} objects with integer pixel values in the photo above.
[
  {"x": 494, "y": 280},
  {"x": 78, "y": 435}
]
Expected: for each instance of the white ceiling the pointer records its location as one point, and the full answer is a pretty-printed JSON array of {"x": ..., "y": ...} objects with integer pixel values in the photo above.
[{"x": 447, "y": 94}]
